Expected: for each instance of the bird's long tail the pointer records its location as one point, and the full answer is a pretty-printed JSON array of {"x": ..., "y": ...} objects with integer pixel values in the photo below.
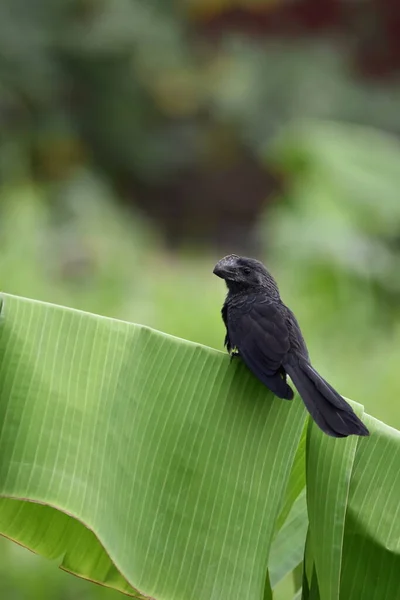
[{"x": 328, "y": 409}]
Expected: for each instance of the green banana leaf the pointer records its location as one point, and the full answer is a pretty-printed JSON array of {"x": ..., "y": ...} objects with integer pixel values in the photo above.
[
  {"x": 155, "y": 466},
  {"x": 287, "y": 549},
  {"x": 353, "y": 493},
  {"x": 137, "y": 460}
]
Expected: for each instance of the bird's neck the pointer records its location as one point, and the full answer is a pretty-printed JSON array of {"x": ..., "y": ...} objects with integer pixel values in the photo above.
[{"x": 236, "y": 290}]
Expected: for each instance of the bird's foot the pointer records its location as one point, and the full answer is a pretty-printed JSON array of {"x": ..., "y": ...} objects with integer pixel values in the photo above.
[{"x": 234, "y": 354}]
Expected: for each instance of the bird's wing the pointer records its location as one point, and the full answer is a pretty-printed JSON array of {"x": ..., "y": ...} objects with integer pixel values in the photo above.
[{"x": 258, "y": 329}]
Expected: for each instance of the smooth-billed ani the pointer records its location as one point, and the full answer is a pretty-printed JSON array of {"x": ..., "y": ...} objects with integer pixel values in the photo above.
[{"x": 264, "y": 332}]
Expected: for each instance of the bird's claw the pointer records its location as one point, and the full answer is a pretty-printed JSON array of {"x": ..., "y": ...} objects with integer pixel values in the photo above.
[{"x": 234, "y": 354}]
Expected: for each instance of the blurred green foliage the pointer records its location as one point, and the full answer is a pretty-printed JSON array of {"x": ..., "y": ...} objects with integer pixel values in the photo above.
[
  {"x": 134, "y": 86},
  {"x": 26, "y": 576}
]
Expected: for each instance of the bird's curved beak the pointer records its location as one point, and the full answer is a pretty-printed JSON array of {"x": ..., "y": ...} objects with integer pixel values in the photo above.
[
  {"x": 225, "y": 268},
  {"x": 219, "y": 270}
]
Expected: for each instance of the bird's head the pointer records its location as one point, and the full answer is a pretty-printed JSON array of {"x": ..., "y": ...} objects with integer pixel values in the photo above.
[{"x": 241, "y": 273}]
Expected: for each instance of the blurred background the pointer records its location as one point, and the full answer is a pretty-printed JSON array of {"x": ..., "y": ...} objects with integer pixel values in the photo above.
[{"x": 140, "y": 141}]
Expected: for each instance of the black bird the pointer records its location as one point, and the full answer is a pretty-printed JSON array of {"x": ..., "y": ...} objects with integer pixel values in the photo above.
[{"x": 264, "y": 332}]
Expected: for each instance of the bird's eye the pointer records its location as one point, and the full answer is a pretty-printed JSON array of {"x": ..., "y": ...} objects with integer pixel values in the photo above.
[{"x": 247, "y": 271}]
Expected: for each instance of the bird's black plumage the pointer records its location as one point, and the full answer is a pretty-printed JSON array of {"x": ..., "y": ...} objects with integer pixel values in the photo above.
[{"x": 264, "y": 332}]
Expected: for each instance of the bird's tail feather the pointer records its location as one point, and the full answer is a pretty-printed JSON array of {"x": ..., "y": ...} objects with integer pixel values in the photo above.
[{"x": 328, "y": 409}]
